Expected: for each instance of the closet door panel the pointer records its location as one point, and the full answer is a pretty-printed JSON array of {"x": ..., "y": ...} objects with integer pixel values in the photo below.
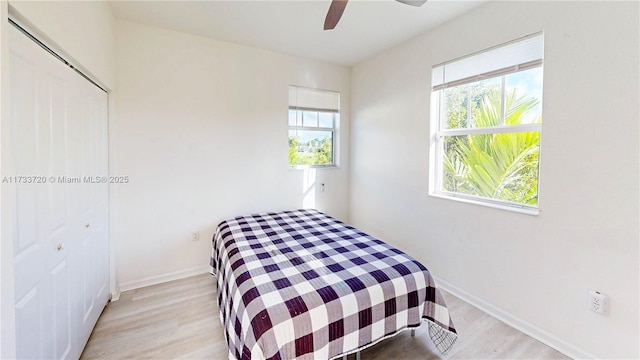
[
  {"x": 62, "y": 312},
  {"x": 93, "y": 200},
  {"x": 58, "y": 124},
  {"x": 56, "y": 223},
  {"x": 85, "y": 206},
  {"x": 101, "y": 197},
  {"x": 29, "y": 325},
  {"x": 24, "y": 126},
  {"x": 27, "y": 243},
  {"x": 55, "y": 106},
  {"x": 88, "y": 300},
  {"x": 30, "y": 261}
]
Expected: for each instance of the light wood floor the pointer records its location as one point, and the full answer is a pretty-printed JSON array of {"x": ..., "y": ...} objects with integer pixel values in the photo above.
[{"x": 179, "y": 319}]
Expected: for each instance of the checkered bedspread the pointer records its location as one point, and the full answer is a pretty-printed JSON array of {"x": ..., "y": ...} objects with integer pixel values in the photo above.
[{"x": 300, "y": 284}]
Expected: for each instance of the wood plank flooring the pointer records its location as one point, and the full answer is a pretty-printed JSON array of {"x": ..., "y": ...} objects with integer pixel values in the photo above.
[{"x": 179, "y": 320}]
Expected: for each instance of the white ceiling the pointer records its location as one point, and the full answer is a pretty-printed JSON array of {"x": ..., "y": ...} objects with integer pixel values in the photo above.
[{"x": 367, "y": 27}]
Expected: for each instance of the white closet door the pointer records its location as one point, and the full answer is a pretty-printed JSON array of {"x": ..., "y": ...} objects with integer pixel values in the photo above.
[
  {"x": 92, "y": 205},
  {"x": 29, "y": 244},
  {"x": 58, "y": 125}
]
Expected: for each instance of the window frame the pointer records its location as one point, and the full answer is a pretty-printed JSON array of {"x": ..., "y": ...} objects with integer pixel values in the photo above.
[{"x": 439, "y": 133}]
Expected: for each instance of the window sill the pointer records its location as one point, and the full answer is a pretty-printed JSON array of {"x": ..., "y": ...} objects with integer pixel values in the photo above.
[
  {"x": 305, "y": 167},
  {"x": 521, "y": 210}
]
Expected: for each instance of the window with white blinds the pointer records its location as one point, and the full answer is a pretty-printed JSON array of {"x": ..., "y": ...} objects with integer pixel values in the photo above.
[
  {"x": 313, "y": 118},
  {"x": 486, "y": 125}
]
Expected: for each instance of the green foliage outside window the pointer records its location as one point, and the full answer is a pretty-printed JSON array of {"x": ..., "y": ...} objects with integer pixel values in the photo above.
[
  {"x": 502, "y": 165},
  {"x": 313, "y": 152}
]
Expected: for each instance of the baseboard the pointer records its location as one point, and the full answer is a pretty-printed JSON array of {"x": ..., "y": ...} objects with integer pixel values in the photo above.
[
  {"x": 115, "y": 295},
  {"x": 158, "y": 279},
  {"x": 515, "y": 322}
]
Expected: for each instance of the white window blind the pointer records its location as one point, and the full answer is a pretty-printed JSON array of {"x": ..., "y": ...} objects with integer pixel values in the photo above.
[
  {"x": 511, "y": 57},
  {"x": 301, "y": 98}
]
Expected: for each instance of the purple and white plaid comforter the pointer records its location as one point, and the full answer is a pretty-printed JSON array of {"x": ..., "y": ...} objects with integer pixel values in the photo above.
[{"x": 300, "y": 284}]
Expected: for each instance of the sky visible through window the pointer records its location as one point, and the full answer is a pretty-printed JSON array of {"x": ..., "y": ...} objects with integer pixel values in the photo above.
[{"x": 527, "y": 82}]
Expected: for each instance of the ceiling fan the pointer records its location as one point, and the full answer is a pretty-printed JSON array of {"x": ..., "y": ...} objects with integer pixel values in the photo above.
[{"x": 337, "y": 8}]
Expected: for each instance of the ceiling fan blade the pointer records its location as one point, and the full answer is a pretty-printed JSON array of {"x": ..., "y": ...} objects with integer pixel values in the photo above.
[
  {"x": 413, "y": 2},
  {"x": 335, "y": 12}
]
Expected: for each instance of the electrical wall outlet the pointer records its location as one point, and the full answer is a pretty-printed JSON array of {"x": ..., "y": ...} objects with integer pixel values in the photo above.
[
  {"x": 195, "y": 236},
  {"x": 598, "y": 302}
]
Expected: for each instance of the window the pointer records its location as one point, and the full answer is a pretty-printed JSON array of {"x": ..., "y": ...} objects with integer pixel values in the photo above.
[
  {"x": 313, "y": 118},
  {"x": 486, "y": 123}
]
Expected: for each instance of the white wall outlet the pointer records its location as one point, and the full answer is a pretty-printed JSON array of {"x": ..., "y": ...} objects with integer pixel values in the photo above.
[
  {"x": 195, "y": 236},
  {"x": 598, "y": 302}
]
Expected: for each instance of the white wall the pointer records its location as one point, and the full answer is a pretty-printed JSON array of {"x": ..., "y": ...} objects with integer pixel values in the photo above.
[
  {"x": 82, "y": 31},
  {"x": 202, "y": 134},
  {"x": 533, "y": 271}
]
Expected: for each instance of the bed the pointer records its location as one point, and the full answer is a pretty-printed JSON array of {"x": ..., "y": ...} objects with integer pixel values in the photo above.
[{"x": 301, "y": 284}]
